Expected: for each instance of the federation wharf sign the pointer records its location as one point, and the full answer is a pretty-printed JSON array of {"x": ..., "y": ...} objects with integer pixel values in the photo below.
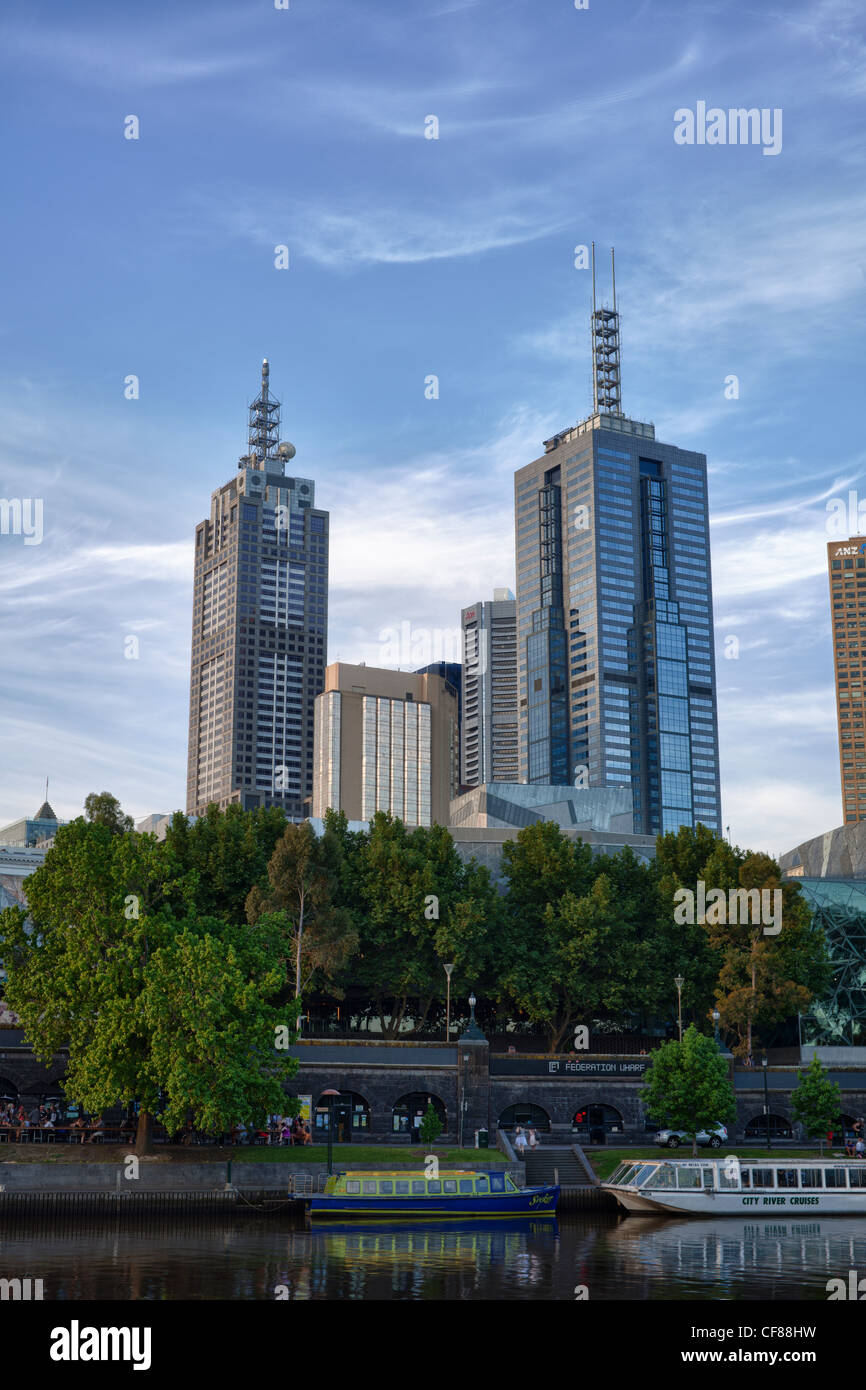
[{"x": 569, "y": 1068}]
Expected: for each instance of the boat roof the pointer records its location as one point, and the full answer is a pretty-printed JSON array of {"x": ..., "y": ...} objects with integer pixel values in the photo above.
[{"x": 417, "y": 1173}]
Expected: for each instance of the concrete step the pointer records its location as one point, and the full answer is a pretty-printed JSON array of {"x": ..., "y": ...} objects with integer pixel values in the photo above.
[{"x": 547, "y": 1166}]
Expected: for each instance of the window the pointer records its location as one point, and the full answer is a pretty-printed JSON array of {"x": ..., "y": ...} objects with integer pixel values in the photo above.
[
  {"x": 465, "y": 1184},
  {"x": 353, "y": 1186},
  {"x": 419, "y": 1187},
  {"x": 449, "y": 1185},
  {"x": 834, "y": 1177},
  {"x": 482, "y": 1185},
  {"x": 369, "y": 1189},
  {"x": 386, "y": 1187},
  {"x": 857, "y": 1177},
  {"x": 762, "y": 1177},
  {"x": 434, "y": 1186},
  {"x": 811, "y": 1177}
]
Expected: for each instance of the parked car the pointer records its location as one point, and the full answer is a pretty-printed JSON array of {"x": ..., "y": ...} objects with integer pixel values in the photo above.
[{"x": 672, "y": 1138}]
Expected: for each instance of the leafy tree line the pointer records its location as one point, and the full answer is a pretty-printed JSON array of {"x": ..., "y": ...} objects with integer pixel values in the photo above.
[{"x": 167, "y": 965}]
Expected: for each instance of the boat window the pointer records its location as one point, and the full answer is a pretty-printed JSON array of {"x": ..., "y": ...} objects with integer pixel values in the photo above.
[
  {"x": 353, "y": 1187},
  {"x": 434, "y": 1186},
  {"x": 510, "y": 1184},
  {"x": 386, "y": 1187},
  {"x": 763, "y": 1177},
  {"x": 497, "y": 1182},
  {"x": 369, "y": 1187},
  {"x": 419, "y": 1187},
  {"x": 688, "y": 1177},
  {"x": 482, "y": 1185},
  {"x": 645, "y": 1172},
  {"x": 857, "y": 1177},
  {"x": 745, "y": 1177},
  {"x": 708, "y": 1178},
  {"x": 616, "y": 1175},
  {"x": 811, "y": 1177},
  {"x": 631, "y": 1171},
  {"x": 465, "y": 1184},
  {"x": 729, "y": 1178},
  {"x": 449, "y": 1185},
  {"x": 665, "y": 1176},
  {"x": 401, "y": 1188},
  {"x": 786, "y": 1177},
  {"x": 835, "y": 1177}
]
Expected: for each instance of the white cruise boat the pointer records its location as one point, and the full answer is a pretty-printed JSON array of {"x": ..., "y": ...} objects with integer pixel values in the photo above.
[{"x": 732, "y": 1187}]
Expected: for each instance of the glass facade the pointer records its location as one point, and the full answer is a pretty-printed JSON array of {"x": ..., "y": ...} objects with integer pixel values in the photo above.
[
  {"x": 839, "y": 909},
  {"x": 614, "y": 611}
]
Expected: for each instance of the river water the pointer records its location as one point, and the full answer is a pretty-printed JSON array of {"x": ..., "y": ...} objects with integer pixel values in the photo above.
[{"x": 595, "y": 1257}]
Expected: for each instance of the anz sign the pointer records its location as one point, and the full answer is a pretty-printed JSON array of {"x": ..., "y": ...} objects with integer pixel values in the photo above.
[{"x": 849, "y": 550}]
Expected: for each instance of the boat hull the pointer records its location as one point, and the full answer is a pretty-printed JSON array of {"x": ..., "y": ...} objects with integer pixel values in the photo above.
[
  {"x": 529, "y": 1201},
  {"x": 751, "y": 1205}
]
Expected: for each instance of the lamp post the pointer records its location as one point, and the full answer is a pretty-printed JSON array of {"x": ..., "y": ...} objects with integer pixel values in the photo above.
[
  {"x": 330, "y": 1092},
  {"x": 716, "y": 1017},
  {"x": 679, "y": 982},
  {"x": 766, "y": 1100},
  {"x": 448, "y": 969}
]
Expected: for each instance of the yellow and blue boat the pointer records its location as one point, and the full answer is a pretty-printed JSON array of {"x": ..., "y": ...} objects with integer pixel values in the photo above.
[{"x": 459, "y": 1193}]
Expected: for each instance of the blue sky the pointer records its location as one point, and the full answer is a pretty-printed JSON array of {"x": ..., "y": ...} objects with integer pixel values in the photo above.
[{"x": 411, "y": 257}]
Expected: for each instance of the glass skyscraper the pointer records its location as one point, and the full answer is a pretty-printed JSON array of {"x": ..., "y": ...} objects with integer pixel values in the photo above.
[
  {"x": 260, "y": 623},
  {"x": 614, "y": 614}
]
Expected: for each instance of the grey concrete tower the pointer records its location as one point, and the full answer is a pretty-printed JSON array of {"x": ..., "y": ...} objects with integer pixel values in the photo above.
[
  {"x": 259, "y": 634},
  {"x": 488, "y": 693}
]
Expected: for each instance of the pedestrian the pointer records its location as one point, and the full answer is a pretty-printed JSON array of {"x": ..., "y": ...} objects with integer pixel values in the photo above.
[
  {"x": 519, "y": 1142},
  {"x": 532, "y": 1137},
  {"x": 859, "y": 1149}
]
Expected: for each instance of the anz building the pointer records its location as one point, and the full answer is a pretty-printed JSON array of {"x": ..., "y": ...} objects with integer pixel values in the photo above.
[{"x": 614, "y": 612}]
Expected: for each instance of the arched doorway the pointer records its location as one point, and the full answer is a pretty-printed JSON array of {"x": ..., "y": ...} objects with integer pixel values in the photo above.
[
  {"x": 780, "y": 1128},
  {"x": 525, "y": 1113},
  {"x": 409, "y": 1110},
  {"x": 593, "y": 1123},
  {"x": 351, "y": 1117}
]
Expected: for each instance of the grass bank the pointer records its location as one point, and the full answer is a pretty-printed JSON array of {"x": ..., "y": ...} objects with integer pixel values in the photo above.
[
  {"x": 376, "y": 1155},
  {"x": 605, "y": 1160}
]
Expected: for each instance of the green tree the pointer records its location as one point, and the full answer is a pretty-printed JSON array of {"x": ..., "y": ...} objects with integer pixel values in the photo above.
[
  {"x": 816, "y": 1101},
  {"x": 303, "y": 879},
  {"x": 431, "y": 1125},
  {"x": 101, "y": 808},
  {"x": 687, "y": 1085},
  {"x": 104, "y": 950}
]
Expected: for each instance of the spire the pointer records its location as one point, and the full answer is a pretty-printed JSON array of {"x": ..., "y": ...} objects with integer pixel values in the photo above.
[
  {"x": 606, "y": 387},
  {"x": 264, "y": 421}
]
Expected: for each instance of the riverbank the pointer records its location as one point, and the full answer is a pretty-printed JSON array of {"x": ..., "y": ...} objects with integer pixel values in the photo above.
[{"x": 344, "y": 1155}]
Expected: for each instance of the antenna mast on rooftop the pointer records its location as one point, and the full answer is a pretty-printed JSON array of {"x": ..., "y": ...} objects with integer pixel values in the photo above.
[
  {"x": 606, "y": 385},
  {"x": 264, "y": 421}
]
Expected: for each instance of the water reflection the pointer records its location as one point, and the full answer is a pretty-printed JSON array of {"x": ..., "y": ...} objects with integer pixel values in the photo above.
[{"x": 615, "y": 1258}]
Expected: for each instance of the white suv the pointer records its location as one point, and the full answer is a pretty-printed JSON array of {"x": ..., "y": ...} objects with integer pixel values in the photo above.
[{"x": 672, "y": 1138}]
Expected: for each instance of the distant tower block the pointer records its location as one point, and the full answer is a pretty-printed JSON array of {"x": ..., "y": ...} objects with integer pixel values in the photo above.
[{"x": 606, "y": 384}]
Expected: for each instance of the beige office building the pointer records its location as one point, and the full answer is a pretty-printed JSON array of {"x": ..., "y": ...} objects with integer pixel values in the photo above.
[
  {"x": 385, "y": 741},
  {"x": 846, "y": 561}
]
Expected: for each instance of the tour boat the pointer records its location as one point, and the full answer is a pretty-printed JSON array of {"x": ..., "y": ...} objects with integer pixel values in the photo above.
[
  {"x": 415, "y": 1195},
  {"x": 757, "y": 1187}
]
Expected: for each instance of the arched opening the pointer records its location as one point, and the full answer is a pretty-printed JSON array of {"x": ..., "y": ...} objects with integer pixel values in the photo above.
[
  {"x": 593, "y": 1123},
  {"x": 525, "y": 1113},
  {"x": 351, "y": 1117},
  {"x": 410, "y": 1110},
  {"x": 8, "y": 1092},
  {"x": 780, "y": 1128}
]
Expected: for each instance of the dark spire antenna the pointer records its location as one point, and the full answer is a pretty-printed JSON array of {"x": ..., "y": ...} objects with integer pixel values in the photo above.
[
  {"x": 606, "y": 386},
  {"x": 264, "y": 432}
]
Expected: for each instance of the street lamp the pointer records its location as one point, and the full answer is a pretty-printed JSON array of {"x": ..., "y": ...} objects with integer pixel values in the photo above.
[
  {"x": 716, "y": 1017},
  {"x": 679, "y": 982},
  {"x": 448, "y": 969},
  {"x": 330, "y": 1092},
  {"x": 766, "y": 1100}
]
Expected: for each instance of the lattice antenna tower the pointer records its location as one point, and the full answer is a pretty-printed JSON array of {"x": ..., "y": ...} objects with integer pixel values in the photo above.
[
  {"x": 606, "y": 383},
  {"x": 264, "y": 435}
]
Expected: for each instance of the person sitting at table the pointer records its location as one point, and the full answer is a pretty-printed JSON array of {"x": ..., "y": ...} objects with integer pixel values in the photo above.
[
  {"x": 286, "y": 1132},
  {"x": 96, "y": 1129},
  {"x": 80, "y": 1126}
]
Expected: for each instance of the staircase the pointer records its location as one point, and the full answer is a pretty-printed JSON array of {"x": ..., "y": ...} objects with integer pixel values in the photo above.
[{"x": 562, "y": 1165}]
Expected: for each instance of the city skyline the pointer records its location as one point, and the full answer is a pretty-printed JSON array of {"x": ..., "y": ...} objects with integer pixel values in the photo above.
[{"x": 407, "y": 263}]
